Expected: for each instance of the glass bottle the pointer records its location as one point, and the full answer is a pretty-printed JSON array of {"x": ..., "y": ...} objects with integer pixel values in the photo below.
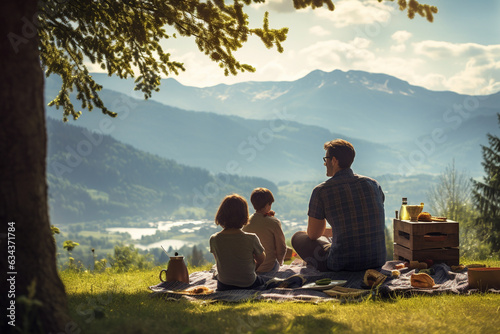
[{"x": 403, "y": 214}]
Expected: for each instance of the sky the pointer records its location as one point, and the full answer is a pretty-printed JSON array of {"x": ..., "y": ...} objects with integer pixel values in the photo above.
[{"x": 459, "y": 51}]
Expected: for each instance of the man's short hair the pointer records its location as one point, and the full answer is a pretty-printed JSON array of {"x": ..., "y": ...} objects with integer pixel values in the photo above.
[
  {"x": 342, "y": 150},
  {"x": 232, "y": 212},
  {"x": 261, "y": 197}
]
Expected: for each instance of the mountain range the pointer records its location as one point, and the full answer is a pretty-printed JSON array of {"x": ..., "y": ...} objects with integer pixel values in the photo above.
[{"x": 276, "y": 130}]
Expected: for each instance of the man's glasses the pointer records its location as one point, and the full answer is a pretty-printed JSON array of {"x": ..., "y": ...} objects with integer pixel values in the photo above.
[{"x": 324, "y": 158}]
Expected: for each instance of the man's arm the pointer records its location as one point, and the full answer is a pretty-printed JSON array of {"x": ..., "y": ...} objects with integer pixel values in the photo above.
[{"x": 315, "y": 228}]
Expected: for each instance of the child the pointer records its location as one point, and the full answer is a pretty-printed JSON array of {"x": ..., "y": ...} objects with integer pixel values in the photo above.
[
  {"x": 268, "y": 229},
  {"x": 237, "y": 253}
]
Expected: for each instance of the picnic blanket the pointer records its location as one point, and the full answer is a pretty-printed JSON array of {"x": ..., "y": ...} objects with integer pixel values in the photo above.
[{"x": 446, "y": 281}]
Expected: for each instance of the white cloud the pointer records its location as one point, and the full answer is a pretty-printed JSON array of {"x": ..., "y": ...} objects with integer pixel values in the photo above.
[
  {"x": 360, "y": 43},
  {"x": 319, "y": 31},
  {"x": 401, "y": 36},
  {"x": 355, "y": 12},
  {"x": 477, "y": 67},
  {"x": 334, "y": 54},
  {"x": 440, "y": 49},
  {"x": 477, "y": 77}
]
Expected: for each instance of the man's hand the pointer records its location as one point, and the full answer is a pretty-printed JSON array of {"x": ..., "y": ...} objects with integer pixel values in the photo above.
[{"x": 315, "y": 228}]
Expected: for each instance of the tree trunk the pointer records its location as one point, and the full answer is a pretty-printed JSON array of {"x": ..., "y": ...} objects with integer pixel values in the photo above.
[{"x": 30, "y": 260}]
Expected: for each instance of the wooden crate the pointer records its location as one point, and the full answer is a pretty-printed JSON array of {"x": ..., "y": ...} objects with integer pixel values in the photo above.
[
  {"x": 450, "y": 256},
  {"x": 425, "y": 235},
  {"x": 419, "y": 241}
]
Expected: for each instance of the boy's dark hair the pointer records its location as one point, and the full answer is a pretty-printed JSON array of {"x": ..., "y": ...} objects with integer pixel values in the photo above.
[
  {"x": 261, "y": 197},
  {"x": 342, "y": 150},
  {"x": 232, "y": 212}
]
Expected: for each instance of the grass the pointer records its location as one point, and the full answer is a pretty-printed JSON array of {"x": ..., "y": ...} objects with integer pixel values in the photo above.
[{"x": 120, "y": 303}]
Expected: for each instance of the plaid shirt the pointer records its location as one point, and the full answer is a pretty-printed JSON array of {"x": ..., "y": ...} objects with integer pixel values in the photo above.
[{"x": 354, "y": 206}]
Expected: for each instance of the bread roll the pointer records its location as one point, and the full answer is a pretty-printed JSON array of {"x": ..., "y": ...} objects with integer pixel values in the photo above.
[{"x": 424, "y": 217}]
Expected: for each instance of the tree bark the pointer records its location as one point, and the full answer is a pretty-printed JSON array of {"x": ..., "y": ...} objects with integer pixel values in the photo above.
[{"x": 23, "y": 187}]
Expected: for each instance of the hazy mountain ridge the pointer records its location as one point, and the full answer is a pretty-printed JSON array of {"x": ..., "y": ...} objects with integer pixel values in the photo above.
[
  {"x": 423, "y": 130},
  {"x": 370, "y": 106},
  {"x": 276, "y": 149}
]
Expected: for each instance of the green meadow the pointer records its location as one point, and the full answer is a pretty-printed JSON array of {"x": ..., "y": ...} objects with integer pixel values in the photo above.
[{"x": 112, "y": 302}]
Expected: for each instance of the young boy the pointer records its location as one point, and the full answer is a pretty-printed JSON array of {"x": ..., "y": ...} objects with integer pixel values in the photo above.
[{"x": 268, "y": 229}]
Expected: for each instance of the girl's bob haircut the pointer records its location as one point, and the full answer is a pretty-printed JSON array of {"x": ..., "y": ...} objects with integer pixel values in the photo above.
[{"x": 233, "y": 212}]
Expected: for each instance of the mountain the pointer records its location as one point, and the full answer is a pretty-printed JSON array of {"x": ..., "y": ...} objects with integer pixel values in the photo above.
[
  {"x": 395, "y": 127},
  {"x": 276, "y": 149},
  {"x": 375, "y": 107},
  {"x": 93, "y": 177}
]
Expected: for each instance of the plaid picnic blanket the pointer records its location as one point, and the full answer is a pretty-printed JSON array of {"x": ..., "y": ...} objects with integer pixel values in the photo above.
[{"x": 446, "y": 280}]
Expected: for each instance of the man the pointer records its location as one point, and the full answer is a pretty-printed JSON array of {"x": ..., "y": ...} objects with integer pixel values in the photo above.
[{"x": 353, "y": 205}]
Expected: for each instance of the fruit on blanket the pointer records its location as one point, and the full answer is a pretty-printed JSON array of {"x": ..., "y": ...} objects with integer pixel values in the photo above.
[
  {"x": 373, "y": 278},
  {"x": 395, "y": 273},
  {"x": 421, "y": 280},
  {"x": 413, "y": 265},
  {"x": 417, "y": 265},
  {"x": 324, "y": 281}
]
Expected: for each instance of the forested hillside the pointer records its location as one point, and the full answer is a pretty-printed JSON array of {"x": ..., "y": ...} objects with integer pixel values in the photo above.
[{"x": 92, "y": 176}]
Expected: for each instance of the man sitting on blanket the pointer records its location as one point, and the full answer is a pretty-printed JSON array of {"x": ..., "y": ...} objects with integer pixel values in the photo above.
[{"x": 353, "y": 205}]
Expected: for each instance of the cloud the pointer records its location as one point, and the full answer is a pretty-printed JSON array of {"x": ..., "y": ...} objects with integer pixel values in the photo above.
[
  {"x": 355, "y": 12},
  {"x": 333, "y": 54},
  {"x": 441, "y": 49},
  {"x": 401, "y": 36},
  {"x": 319, "y": 31},
  {"x": 477, "y": 67}
]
